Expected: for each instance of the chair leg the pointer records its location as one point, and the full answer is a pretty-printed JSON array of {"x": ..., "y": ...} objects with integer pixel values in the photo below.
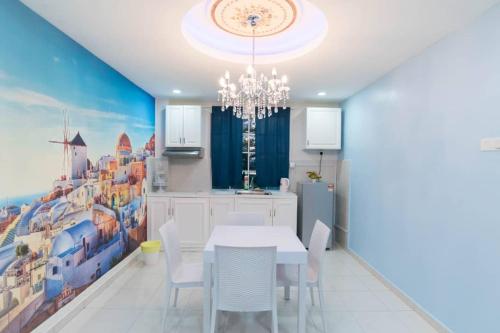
[
  {"x": 214, "y": 318},
  {"x": 311, "y": 291},
  {"x": 287, "y": 293},
  {"x": 322, "y": 305},
  {"x": 176, "y": 294},
  {"x": 165, "y": 310},
  {"x": 275, "y": 321}
]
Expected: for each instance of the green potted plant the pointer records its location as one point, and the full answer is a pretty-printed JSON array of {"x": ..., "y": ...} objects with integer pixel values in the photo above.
[{"x": 313, "y": 176}]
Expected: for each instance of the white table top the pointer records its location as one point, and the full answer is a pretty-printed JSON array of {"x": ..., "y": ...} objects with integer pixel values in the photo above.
[{"x": 290, "y": 250}]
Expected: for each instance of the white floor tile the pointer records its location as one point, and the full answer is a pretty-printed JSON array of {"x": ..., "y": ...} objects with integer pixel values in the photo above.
[
  {"x": 342, "y": 322},
  {"x": 414, "y": 322},
  {"x": 343, "y": 283},
  {"x": 392, "y": 301},
  {"x": 356, "y": 302},
  {"x": 103, "y": 320},
  {"x": 361, "y": 301},
  {"x": 147, "y": 322},
  {"x": 380, "y": 322},
  {"x": 372, "y": 283}
]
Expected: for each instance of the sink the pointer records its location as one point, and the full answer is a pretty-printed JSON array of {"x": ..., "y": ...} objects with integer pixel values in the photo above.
[
  {"x": 222, "y": 192},
  {"x": 253, "y": 192}
]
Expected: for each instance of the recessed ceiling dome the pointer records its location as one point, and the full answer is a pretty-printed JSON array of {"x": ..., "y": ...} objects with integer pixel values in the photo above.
[{"x": 285, "y": 29}]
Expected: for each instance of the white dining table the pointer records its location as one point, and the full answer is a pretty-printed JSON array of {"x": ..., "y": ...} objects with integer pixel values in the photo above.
[{"x": 290, "y": 250}]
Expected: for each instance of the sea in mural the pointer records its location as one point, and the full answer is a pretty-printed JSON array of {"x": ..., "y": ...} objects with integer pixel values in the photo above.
[{"x": 74, "y": 139}]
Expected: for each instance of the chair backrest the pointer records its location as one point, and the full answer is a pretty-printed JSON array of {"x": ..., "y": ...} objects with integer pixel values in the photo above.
[
  {"x": 170, "y": 240},
  {"x": 245, "y": 278},
  {"x": 317, "y": 245},
  {"x": 245, "y": 218}
]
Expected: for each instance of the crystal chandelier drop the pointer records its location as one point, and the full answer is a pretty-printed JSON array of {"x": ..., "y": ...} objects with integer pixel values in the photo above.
[{"x": 256, "y": 95}]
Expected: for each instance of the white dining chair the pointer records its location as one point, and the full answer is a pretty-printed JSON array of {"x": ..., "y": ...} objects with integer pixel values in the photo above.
[
  {"x": 179, "y": 274},
  {"x": 245, "y": 218},
  {"x": 287, "y": 275},
  {"x": 245, "y": 281}
]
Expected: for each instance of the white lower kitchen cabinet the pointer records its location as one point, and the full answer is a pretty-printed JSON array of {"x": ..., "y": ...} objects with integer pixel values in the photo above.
[
  {"x": 197, "y": 214},
  {"x": 159, "y": 212},
  {"x": 219, "y": 208},
  {"x": 262, "y": 206},
  {"x": 285, "y": 213},
  {"x": 191, "y": 216}
]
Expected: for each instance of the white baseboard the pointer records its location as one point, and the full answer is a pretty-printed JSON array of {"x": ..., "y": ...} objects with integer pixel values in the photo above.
[
  {"x": 341, "y": 236},
  {"x": 437, "y": 324},
  {"x": 56, "y": 322}
]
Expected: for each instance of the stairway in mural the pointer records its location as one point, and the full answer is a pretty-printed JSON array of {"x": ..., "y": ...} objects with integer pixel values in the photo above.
[{"x": 9, "y": 234}]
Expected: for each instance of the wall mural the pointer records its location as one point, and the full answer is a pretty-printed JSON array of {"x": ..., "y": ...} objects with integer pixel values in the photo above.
[{"x": 74, "y": 137}]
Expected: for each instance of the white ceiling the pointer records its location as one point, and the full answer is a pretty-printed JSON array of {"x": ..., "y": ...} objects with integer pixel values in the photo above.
[{"x": 366, "y": 39}]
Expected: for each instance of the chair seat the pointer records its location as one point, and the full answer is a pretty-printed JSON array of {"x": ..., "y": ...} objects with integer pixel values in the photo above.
[
  {"x": 288, "y": 275},
  {"x": 188, "y": 275}
]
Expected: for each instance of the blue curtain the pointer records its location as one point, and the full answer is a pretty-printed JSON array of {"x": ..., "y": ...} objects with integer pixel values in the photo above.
[
  {"x": 226, "y": 149},
  {"x": 272, "y": 147}
]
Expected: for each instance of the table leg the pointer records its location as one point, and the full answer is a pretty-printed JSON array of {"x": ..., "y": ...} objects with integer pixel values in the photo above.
[
  {"x": 301, "y": 325},
  {"x": 207, "y": 297}
]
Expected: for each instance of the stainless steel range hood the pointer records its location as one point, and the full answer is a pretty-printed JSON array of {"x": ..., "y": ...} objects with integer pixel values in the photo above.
[{"x": 184, "y": 152}]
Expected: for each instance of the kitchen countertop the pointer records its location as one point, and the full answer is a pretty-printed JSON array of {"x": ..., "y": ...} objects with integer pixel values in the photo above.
[{"x": 222, "y": 193}]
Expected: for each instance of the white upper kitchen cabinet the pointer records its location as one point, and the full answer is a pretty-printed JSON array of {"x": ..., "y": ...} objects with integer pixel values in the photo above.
[
  {"x": 174, "y": 119},
  {"x": 183, "y": 126},
  {"x": 192, "y": 221},
  {"x": 323, "y": 128},
  {"x": 257, "y": 205}
]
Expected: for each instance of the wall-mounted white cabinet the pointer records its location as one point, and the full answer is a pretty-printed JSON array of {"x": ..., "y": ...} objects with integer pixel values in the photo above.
[
  {"x": 183, "y": 126},
  {"x": 323, "y": 128}
]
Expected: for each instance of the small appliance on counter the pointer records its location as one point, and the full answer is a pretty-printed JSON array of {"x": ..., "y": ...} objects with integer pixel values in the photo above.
[
  {"x": 316, "y": 201},
  {"x": 158, "y": 173},
  {"x": 284, "y": 184}
]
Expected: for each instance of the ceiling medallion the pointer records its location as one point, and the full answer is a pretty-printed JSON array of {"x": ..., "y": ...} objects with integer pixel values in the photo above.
[{"x": 275, "y": 16}]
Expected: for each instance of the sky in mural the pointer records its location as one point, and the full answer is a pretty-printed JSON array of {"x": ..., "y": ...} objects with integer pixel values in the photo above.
[{"x": 39, "y": 79}]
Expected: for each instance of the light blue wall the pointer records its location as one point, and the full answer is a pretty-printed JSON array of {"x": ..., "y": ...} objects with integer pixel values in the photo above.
[{"x": 425, "y": 202}]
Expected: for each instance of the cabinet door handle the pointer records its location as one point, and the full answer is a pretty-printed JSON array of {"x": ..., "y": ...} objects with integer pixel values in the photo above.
[
  {"x": 270, "y": 213},
  {"x": 168, "y": 214},
  {"x": 274, "y": 212},
  {"x": 211, "y": 211}
]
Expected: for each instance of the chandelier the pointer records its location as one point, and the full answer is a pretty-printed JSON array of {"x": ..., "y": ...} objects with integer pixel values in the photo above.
[{"x": 255, "y": 95}]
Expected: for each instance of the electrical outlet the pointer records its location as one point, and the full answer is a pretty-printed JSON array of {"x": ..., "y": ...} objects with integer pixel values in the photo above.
[{"x": 490, "y": 144}]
